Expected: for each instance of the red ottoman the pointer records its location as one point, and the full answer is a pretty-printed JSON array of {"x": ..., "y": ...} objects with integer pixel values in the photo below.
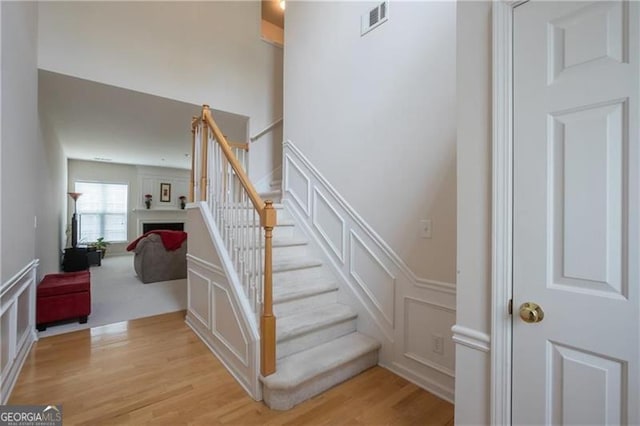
[{"x": 63, "y": 296}]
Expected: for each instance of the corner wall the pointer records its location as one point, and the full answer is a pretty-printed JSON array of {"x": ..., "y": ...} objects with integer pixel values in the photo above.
[
  {"x": 26, "y": 191},
  {"x": 376, "y": 116},
  {"x": 472, "y": 330},
  {"x": 32, "y": 171}
]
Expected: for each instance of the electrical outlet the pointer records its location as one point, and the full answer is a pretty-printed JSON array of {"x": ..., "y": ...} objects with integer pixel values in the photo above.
[
  {"x": 425, "y": 228},
  {"x": 437, "y": 344}
]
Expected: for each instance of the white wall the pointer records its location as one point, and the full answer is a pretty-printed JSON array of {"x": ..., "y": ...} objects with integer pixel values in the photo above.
[
  {"x": 474, "y": 207},
  {"x": 24, "y": 191},
  {"x": 31, "y": 183},
  {"x": 94, "y": 171},
  {"x": 196, "y": 52},
  {"x": 376, "y": 116}
]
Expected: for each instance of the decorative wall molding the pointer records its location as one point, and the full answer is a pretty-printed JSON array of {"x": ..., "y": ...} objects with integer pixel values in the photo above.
[
  {"x": 18, "y": 317},
  {"x": 292, "y": 151},
  {"x": 355, "y": 241},
  {"x": 373, "y": 279},
  {"x": 471, "y": 338},
  {"x": 236, "y": 341},
  {"x": 316, "y": 220},
  {"x": 215, "y": 329},
  {"x": 304, "y": 201},
  {"x": 422, "y": 358}
]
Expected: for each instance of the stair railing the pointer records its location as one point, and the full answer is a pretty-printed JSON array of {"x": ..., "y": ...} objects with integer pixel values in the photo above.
[{"x": 218, "y": 177}]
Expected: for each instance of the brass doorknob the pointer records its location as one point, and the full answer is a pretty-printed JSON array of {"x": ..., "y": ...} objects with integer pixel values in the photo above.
[{"x": 531, "y": 312}]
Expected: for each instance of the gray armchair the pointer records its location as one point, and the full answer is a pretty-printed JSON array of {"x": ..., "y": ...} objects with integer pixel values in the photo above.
[{"x": 153, "y": 262}]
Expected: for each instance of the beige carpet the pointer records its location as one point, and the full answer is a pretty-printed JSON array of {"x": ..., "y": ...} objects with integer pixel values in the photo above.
[{"x": 118, "y": 295}]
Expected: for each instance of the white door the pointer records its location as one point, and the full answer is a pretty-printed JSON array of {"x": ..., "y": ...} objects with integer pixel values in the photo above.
[{"x": 576, "y": 213}]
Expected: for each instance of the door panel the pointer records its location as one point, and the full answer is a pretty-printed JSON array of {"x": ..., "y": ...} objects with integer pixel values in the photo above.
[{"x": 576, "y": 214}]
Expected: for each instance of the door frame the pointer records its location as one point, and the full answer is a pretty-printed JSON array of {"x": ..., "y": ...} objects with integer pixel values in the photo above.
[{"x": 502, "y": 211}]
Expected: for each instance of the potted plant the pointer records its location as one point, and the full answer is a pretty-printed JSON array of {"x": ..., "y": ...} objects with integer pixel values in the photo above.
[
  {"x": 183, "y": 201},
  {"x": 147, "y": 200},
  {"x": 101, "y": 244}
]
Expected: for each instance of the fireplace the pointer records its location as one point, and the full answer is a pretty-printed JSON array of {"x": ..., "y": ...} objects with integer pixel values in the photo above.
[{"x": 172, "y": 226}]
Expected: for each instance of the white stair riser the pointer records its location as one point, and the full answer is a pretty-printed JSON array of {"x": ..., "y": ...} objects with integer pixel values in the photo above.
[
  {"x": 305, "y": 303},
  {"x": 284, "y": 399},
  {"x": 315, "y": 338}
]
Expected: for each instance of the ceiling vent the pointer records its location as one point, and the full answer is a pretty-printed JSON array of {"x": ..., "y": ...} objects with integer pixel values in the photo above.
[{"x": 374, "y": 18}]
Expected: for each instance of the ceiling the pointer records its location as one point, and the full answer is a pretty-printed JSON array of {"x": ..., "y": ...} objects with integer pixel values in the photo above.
[
  {"x": 272, "y": 12},
  {"x": 98, "y": 122}
]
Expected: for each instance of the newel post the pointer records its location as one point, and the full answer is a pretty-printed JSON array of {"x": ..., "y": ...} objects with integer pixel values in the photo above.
[
  {"x": 268, "y": 321},
  {"x": 205, "y": 146},
  {"x": 192, "y": 182}
]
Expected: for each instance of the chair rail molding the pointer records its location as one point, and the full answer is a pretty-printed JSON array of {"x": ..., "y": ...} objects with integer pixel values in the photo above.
[
  {"x": 395, "y": 305},
  {"x": 18, "y": 317},
  {"x": 471, "y": 338}
]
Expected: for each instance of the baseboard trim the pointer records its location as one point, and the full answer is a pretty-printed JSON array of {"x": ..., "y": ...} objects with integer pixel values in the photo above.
[{"x": 425, "y": 383}]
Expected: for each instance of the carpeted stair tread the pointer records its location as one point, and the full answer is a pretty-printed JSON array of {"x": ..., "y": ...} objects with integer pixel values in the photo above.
[
  {"x": 314, "y": 319},
  {"x": 284, "y": 291},
  {"x": 295, "y": 263},
  {"x": 300, "y": 367}
]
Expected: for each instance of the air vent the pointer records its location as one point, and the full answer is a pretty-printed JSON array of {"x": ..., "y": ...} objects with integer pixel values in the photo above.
[{"x": 374, "y": 18}]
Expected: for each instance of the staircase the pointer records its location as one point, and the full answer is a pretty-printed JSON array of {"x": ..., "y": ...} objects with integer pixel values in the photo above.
[{"x": 316, "y": 341}]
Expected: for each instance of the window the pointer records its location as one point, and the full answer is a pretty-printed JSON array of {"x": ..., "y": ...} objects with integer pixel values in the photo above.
[{"x": 102, "y": 211}]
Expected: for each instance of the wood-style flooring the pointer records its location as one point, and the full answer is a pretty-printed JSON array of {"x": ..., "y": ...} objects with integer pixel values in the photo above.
[{"x": 156, "y": 371}]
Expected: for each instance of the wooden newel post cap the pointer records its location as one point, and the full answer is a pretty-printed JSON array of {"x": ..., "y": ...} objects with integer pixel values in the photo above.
[{"x": 269, "y": 219}]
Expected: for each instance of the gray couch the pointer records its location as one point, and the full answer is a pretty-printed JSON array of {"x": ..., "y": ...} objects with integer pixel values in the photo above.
[{"x": 153, "y": 262}]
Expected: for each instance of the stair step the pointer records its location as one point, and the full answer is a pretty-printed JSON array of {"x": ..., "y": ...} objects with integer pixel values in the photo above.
[
  {"x": 305, "y": 374},
  {"x": 290, "y": 285},
  {"x": 295, "y": 263},
  {"x": 313, "y": 327},
  {"x": 300, "y": 290},
  {"x": 276, "y": 184}
]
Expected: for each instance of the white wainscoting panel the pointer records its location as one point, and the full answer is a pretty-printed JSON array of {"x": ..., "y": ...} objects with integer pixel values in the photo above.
[
  {"x": 228, "y": 331},
  {"x": 218, "y": 311},
  {"x": 374, "y": 280},
  {"x": 329, "y": 224},
  {"x": 424, "y": 322},
  {"x": 198, "y": 297},
  {"x": 373, "y": 277},
  {"x": 297, "y": 184},
  {"x": 17, "y": 325}
]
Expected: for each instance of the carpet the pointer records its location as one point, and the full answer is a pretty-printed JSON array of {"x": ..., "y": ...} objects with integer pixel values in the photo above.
[{"x": 118, "y": 295}]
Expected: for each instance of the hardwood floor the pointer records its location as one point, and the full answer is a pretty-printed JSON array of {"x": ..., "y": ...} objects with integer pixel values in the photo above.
[{"x": 156, "y": 371}]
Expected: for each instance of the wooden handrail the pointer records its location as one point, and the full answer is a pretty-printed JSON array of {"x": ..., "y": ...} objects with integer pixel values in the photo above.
[
  {"x": 205, "y": 154},
  {"x": 239, "y": 145},
  {"x": 255, "y": 198},
  {"x": 192, "y": 181},
  {"x": 268, "y": 220}
]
